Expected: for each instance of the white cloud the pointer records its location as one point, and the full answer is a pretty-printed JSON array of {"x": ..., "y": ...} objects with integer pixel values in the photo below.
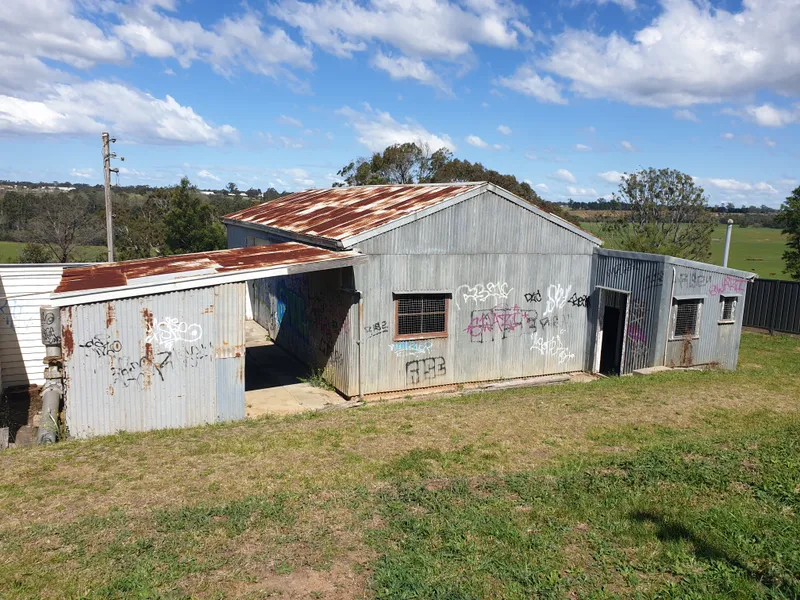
[
  {"x": 421, "y": 29},
  {"x": 290, "y": 121},
  {"x": 628, "y": 146},
  {"x": 728, "y": 136},
  {"x": 203, "y": 174},
  {"x": 583, "y": 148},
  {"x": 403, "y": 67},
  {"x": 531, "y": 156},
  {"x": 499, "y": 147},
  {"x": 611, "y": 176},
  {"x": 684, "y": 114},
  {"x": 740, "y": 186},
  {"x": 626, "y": 4},
  {"x": 564, "y": 175},
  {"x": 542, "y": 187},
  {"x": 526, "y": 81},
  {"x": 88, "y": 108},
  {"x": 690, "y": 53},
  {"x": 769, "y": 142},
  {"x": 82, "y": 173},
  {"x": 582, "y": 192},
  {"x": 299, "y": 176},
  {"x": 504, "y": 129},
  {"x": 474, "y": 140},
  {"x": 376, "y": 130},
  {"x": 232, "y": 42},
  {"x": 767, "y": 115}
]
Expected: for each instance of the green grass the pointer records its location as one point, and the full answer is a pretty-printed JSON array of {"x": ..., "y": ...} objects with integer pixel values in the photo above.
[
  {"x": 754, "y": 249},
  {"x": 10, "y": 251},
  {"x": 678, "y": 485}
]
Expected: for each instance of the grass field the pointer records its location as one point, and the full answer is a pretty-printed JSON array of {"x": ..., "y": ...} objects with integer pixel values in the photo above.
[
  {"x": 10, "y": 251},
  {"x": 679, "y": 485},
  {"x": 755, "y": 249}
]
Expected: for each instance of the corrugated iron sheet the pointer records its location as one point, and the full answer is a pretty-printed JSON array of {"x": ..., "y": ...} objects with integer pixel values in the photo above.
[
  {"x": 154, "y": 362},
  {"x": 340, "y": 213},
  {"x": 174, "y": 268},
  {"x": 23, "y": 290},
  {"x": 773, "y": 304}
]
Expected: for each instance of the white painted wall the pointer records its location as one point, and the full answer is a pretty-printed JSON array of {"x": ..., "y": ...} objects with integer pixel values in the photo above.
[{"x": 23, "y": 289}]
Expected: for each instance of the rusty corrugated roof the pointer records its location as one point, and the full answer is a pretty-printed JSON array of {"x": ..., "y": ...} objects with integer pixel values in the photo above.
[
  {"x": 340, "y": 213},
  {"x": 201, "y": 264}
]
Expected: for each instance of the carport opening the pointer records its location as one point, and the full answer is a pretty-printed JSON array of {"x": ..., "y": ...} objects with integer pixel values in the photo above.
[{"x": 612, "y": 315}]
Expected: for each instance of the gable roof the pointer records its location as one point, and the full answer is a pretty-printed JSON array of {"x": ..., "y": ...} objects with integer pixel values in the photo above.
[{"x": 342, "y": 217}]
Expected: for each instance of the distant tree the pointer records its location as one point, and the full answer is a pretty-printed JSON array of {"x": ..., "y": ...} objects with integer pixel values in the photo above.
[
  {"x": 62, "y": 223},
  {"x": 140, "y": 229},
  {"x": 231, "y": 188},
  {"x": 17, "y": 209},
  {"x": 789, "y": 219},
  {"x": 253, "y": 193},
  {"x": 667, "y": 214},
  {"x": 35, "y": 253},
  {"x": 190, "y": 223}
]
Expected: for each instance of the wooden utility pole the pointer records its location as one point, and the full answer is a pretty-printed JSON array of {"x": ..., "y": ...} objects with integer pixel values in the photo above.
[{"x": 107, "y": 156}]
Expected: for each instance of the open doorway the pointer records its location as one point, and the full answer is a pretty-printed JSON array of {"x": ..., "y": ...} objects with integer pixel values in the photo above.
[{"x": 612, "y": 321}]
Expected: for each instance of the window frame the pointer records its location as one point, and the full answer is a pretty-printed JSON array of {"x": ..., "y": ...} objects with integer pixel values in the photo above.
[
  {"x": 723, "y": 297},
  {"x": 421, "y": 336},
  {"x": 676, "y": 301}
]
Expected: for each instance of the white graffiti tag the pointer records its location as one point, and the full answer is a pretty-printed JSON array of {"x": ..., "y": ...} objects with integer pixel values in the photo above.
[
  {"x": 556, "y": 297},
  {"x": 411, "y": 348},
  {"x": 481, "y": 293},
  {"x": 169, "y": 331},
  {"x": 552, "y": 346}
]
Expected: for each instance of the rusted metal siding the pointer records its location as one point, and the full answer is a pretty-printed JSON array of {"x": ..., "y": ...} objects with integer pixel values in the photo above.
[
  {"x": 518, "y": 286},
  {"x": 154, "y": 362},
  {"x": 310, "y": 316},
  {"x": 644, "y": 280}
]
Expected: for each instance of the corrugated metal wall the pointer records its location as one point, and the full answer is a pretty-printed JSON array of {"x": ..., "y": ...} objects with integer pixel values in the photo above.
[
  {"x": 23, "y": 290},
  {"x": 154, "y": 362},
  {"x": 310, "y": 316},
  {"x": 519, "y": 287},
  {"x": 773, "y": 304},
  {"x": 644, "y": 280}
]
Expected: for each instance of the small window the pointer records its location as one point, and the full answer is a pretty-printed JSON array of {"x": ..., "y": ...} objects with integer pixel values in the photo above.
[
  {"x": 728, "y": 308},
  {"x": 421, "y": 316},
  {"x": 686, "y": 318}
]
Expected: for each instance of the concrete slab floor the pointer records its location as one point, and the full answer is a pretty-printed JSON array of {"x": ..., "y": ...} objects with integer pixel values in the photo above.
[{"x": 272, "y": 379}]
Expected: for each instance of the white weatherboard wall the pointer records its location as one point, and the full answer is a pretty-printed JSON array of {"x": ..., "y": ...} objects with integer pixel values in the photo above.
[{"x": 23, "y": 290}]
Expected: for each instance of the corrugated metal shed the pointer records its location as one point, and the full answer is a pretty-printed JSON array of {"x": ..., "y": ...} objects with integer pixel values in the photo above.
[
  {"x": 342, "y": 217},
  {"x": 154, "y": 362},
  {"x": 23, "y": 290},
  {"x": 191, "y": 271}
]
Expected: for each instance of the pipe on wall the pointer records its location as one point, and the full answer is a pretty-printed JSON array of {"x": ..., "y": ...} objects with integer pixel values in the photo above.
[{"x": 53, "y": 389}]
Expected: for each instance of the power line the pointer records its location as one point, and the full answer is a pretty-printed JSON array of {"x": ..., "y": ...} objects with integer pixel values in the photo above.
[{"x": 107, "y": 170}]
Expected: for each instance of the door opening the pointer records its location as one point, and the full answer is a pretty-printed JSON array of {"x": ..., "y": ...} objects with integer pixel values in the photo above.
[{"x": 612, "y": 315}]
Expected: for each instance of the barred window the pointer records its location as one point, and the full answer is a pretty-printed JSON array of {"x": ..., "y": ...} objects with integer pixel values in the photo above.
[
  {"x": 421, "y": 315},
  {"x": 728, "y": 308},
  {"x": 686, "y": 318}
]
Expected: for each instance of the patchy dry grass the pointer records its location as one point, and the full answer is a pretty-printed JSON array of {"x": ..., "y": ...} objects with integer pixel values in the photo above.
[{"x": 676, "y": 485}]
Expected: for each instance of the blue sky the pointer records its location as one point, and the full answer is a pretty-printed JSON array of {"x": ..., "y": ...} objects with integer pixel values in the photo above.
[{"x": 565, "y": 94}]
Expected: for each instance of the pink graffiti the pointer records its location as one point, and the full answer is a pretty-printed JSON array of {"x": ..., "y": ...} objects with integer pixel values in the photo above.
[
  {"x": 729, "y": 284},
  {"x": 636, "y": 334},
  {"x": 495, "y": 319}
]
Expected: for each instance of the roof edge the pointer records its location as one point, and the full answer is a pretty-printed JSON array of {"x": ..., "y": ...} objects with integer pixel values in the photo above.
[
  {"x": 674, "y": 260},
  {"x": 290, "y": 236}
]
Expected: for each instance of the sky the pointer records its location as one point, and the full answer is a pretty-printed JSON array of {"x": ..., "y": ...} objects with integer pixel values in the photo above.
[{"x": 564, "y": 94}]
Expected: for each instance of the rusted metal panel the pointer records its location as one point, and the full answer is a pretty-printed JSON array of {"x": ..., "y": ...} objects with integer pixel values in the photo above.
[
  {"x": 151, "y": 362},
  {"x": 201, "y": 265},
  {"x": 229, "y": 313},
  {"x": 339, "y": 213}
]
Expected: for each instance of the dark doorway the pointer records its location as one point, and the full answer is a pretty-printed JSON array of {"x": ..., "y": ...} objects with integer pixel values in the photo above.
[{"x": 613, "y": 307}]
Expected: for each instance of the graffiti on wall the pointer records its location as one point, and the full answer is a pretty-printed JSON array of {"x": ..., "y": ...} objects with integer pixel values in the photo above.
[
  {"x": 729, "y": 285},
  {"x": 169, "y": 331},
  {"x": 552, "y": 346},
  {"x": 10, "y": 313},
  {"x": 576, "y": 300},
  {"x": 556, "y": 297},
  {"x": 411, "y": 348},
  {"x": 499, "y": 321},
  {"x": 425, "y": 370},
  {"x": 637, "y": 330},
  {"x": 625, "y": 266},
  {"x": 376, "y": 328},
  {"x": 693, "y": 280},
  {"x": 480, "y": 293},
  {"x": 534, "y": 296}
]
